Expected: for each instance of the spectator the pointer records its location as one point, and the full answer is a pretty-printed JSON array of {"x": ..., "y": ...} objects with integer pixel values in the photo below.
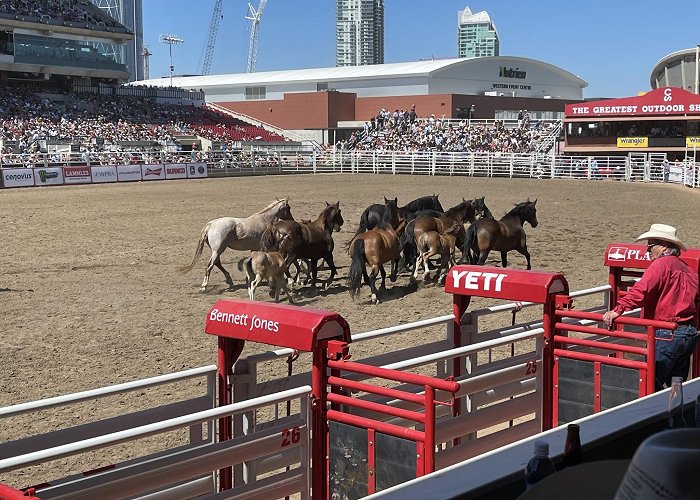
[{"x": 667, "y": 291}]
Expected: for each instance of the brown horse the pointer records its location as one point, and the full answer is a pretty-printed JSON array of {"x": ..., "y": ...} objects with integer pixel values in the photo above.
[
  {"x": 459, "y": 214},
  {"x": 310, "y": 241},
  {"x": 502, "y": 235},
  {"x": 433, "y": 243},
  {"x": 375, "y": 247},
  {"x": 236, "y": 233}
]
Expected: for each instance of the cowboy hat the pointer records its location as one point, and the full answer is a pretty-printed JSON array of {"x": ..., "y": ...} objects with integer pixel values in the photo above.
[{"x": 662, "y": 232}]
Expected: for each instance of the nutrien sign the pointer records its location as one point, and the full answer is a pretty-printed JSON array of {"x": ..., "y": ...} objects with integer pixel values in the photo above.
[{"x": 663, "y": 101}]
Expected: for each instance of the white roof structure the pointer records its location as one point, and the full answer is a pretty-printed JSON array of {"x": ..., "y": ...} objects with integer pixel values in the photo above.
[
  {"x": 518, "y": 76},
  {"x": 466, "y": 17}
]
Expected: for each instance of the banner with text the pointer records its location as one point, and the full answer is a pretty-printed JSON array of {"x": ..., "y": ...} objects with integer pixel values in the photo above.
[
  {"x": 152, "y": 172},
  {"x": 77, "y": 175},
  {"x": 127, "y": 173},
  {"x": 632, "y": 142},
  {"x": 48, "y": 176},
  {"x": 176, "y": 171},
  {"x": 107, "y": 173},
  {"x": 17, "y": 177}
]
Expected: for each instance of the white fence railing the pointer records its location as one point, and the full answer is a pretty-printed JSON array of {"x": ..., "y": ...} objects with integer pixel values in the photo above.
[{"x": 650, "y": 168}]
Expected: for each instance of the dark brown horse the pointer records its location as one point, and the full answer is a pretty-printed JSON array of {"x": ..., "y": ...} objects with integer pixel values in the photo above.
[
  {"x": 502, "y": 235},
  {"x": 375, "y": 247},
  {"x": 459, "y": 214},
  {"x": 310, "y": 241}
]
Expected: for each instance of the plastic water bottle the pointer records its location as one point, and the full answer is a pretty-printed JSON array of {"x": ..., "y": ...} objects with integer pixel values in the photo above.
[
  {"x": 539, "y": 466},
  {"x": 676, "y": 419},
  {"x": 572, "y": 448}
]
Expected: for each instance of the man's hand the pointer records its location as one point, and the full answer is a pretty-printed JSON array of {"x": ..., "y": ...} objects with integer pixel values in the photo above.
[{"x": 609, "y": 317}]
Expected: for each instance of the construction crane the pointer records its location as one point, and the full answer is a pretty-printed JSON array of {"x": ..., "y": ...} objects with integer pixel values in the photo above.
[
  {"x": 254, "y": 15},
  {"x": 211, "y": 40}
]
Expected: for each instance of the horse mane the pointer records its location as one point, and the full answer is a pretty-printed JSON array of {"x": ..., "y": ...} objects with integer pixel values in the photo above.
[
  {"x": 274, "y": 203},
  {"x": 519, "y": 208},
  {"x": 386, "y": 215},
  {"x": 422, "y": 203},
  {"x": 457, "y": 208}
]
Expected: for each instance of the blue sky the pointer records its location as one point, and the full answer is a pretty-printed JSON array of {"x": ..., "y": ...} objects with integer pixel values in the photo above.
[{"x": 613, "y": 44}]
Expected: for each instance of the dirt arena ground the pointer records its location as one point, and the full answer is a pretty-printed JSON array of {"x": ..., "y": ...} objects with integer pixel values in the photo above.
[{"x": 91, "y": 295}]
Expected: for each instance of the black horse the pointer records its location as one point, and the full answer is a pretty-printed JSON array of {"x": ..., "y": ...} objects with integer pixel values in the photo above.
[
  {"x": 501, "y": 235},
  {"x": 409, "y": 252},
  {"x": 373, "y": 213}
]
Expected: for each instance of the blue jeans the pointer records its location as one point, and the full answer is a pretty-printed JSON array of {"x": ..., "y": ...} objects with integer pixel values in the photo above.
[{"x": 673, "y": 351}]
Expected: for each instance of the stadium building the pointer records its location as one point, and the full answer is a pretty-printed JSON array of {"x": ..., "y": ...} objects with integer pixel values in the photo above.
[
  {"x": 679, "y": 69},
  {"x": 62, "y": 43},
  {"x": 326, "y": 103}
]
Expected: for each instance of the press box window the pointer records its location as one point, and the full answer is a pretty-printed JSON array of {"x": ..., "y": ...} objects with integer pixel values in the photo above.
[{"x": 252, "y": 93}]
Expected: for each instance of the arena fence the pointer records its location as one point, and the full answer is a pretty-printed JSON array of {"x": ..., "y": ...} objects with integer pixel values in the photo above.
[
  {"x": 71, "y": 168},
  {"x": 500, "y": 395}
]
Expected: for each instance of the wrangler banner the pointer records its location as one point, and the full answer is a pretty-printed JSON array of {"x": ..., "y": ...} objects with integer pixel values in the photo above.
[{"x": 632, "y": 142}]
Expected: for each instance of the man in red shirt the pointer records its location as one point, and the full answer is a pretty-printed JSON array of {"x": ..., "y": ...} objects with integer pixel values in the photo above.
[{"x": 667, "y": 291}]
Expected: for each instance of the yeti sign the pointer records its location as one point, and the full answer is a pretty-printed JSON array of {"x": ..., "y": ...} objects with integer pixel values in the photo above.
[{"x": 504, "y": 283}]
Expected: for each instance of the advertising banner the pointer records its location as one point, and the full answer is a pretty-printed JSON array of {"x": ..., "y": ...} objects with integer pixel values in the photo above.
[
  {"x": 17, "y": 177},
  {"x": 77, "y": 175},
  {"x": 176, "y": 171},
  {"x": 692, "y": 142},
  {"x": 632, "y": 142},
  {"x": 126, "y": 173},
  {"x": 48, "y": 176},
  {"x": 152, "y": 172},
  {"x": 196, "y": 170},
  {"x": 663, "y": 101},
  {"x": 107, "y": 173}
]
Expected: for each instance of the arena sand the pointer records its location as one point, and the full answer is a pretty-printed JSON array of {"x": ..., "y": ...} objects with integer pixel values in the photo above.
[{"x": 91, "y": 295}]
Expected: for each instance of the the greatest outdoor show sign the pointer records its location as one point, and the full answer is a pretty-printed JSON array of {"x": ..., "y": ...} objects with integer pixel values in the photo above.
[{"x": 663, "y": 101}]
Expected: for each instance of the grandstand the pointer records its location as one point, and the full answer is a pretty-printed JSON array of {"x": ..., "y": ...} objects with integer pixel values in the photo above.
[{"x": 59, "y": 90}]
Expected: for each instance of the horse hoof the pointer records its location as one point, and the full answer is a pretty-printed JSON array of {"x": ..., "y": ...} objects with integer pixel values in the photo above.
[
  {"x": 374, "y": 299},
  {"x": 203, "y": 289}
]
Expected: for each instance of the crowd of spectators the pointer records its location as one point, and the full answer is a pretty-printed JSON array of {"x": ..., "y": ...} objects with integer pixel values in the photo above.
[
  {"x": 72, "y": 11},
  {"x": 403, "y": 131},
  {"x": 96, "y": 120}
]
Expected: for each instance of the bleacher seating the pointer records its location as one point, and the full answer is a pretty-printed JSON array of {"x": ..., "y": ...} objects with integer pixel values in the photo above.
[
  {"x": 27, "y": 118},
  {"x": 402, "y": 131},
  {"x": 74, "y": 13}
]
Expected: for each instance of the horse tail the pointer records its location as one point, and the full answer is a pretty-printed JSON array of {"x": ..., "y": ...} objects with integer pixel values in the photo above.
[
  {"x": 364, "y": 222},
  {"x": 408, "y": 246},
  {"x": 203, "y": 238},
  {"x": 468, "y": 245},
  {"x": 244, "y": 265},
  {"x": 268, "y": 240},
  {"x": 356, "y": 267}
]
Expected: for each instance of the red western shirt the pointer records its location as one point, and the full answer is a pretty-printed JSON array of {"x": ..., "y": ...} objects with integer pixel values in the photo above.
[{"x": 667, "y": 291}]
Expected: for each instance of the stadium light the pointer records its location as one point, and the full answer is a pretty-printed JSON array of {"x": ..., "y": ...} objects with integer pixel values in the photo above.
[{"x": 171, "y": 40}]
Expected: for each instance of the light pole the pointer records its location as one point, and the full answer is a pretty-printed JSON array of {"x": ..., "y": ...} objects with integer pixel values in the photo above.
[
  {"x": 697, "y": 65},
  {"x": 171, "y": 40}
]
